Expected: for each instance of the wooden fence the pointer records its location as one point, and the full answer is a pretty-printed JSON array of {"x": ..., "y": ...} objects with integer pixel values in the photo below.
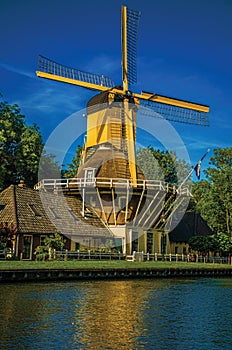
[{"x": 140, "y": 256}]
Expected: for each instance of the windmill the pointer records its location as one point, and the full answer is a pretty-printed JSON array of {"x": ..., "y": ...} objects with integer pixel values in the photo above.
[{"x": 116, "y": 128}]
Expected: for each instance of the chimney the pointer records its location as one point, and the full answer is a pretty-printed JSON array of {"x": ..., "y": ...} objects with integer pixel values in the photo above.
[{"x": 21, "y": 184}]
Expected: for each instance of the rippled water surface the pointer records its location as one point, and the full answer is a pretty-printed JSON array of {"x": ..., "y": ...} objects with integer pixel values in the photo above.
[{"x": 136, "y": 314}]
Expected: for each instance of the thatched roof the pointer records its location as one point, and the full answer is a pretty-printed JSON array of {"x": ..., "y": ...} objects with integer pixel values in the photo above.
[
  {"x": 31, "y": 211},
  {"x": 192, "y": 224},
  {"x": 109, "y": 162}
]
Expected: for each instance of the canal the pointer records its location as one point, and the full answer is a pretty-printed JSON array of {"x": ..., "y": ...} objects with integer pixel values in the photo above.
[{"x": 136, "y": 314}]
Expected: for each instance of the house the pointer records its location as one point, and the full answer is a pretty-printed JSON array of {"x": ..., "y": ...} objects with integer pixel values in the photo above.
[
  {"x": 192, "y": 224},
  {"x": 32, "y": 215}
]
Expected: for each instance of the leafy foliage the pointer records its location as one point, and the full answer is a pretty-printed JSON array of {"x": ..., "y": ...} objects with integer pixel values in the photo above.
[
  {"x": 73, "y": 167},
  {"x": 48, "y": 167},
  {"x": 52, "y": 244},
  {"x": 149, "y": 165},
  {"x": 161, "y": 165},
  {"x": 21, "y": 147},
  {"x": 224, "y": 243},
  {"x": 202, "y": 244},
  {"x": 7, "y": 232},
  {"x": 213, "y": 196},
  {"x": 28, "y": 154},
  {"x": 220, "y": 243}
]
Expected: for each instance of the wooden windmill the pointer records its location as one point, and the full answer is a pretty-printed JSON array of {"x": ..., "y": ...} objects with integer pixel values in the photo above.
[{"x": 117, "y": 130}]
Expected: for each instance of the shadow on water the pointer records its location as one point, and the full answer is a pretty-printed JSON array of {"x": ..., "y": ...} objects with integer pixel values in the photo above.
[{"x": 135, "y": 314}]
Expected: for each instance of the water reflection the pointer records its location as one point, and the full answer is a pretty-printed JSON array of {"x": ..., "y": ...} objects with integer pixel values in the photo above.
[
  {"x": 139, "y": 314},
  {"x": 116, "y": 317}
]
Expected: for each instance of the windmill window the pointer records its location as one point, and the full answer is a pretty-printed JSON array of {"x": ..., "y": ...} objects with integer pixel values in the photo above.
[
  {"x": 34, "y": 210},
  {"x": 89, "y": 175}
]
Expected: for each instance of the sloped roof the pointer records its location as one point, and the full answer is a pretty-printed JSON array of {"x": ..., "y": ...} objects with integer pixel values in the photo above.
[
  {"x": 109, "y": 163},
  {"x": 39, "y": 212},
  {"x": 8, "y": 206},
  {"x": 192, "y": 224}
]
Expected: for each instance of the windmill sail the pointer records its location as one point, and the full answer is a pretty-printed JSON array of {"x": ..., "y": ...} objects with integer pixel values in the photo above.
[
  {"x": 174, "y": 113},
  {"x": 130, "y": 22},
  {"x": 133, "y": 18},
  {"x": 52, "y": 70}
]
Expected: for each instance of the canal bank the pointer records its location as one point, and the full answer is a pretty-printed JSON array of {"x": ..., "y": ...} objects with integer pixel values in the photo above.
[{"x": 34, "y": 275}]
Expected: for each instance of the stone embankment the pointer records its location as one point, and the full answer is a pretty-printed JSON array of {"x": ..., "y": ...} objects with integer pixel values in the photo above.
[{"x": 32, "y": 275}]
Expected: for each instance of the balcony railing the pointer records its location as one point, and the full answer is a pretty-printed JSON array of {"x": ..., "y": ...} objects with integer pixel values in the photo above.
[{"x": 78, "y": 183}]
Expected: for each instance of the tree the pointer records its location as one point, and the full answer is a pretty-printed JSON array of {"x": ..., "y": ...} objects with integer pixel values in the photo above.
[
  {"x": 213, "y": 196},
  {"x": 162, "y": 165},
  {"x": 11, "y": 125},
  {"x": 148, "y": 164},
  {"x": 27, "y": 155},
  {"x": 21, "y": 147},
  {"x": 49, "y": 168},
  {"x": 52, "y": 244},
  {"x": 73, "y": 167},
  {"x": 203, "y": 244},
  {"x": 220, "y": 243},
  {"x": 223, "y": 243},
  {"x": 221, "y": 177},
  {"x": 7, "y": 233}
]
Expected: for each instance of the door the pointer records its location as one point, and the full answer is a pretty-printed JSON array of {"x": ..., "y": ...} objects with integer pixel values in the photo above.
[
  {"x": 27, "y": 247},
  {"x": 149, "y": 242},
  {"x": 135, "y": 241}
]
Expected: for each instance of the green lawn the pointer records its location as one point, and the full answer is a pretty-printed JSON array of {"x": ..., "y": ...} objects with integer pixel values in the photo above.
[{"x": 85, "y": 264}]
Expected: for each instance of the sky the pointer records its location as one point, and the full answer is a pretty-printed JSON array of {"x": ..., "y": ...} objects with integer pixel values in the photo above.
[{"x": 184, "y": 51}]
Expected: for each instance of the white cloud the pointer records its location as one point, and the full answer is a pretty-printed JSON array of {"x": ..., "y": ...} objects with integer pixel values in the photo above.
[{"x": 18, "y": 70}]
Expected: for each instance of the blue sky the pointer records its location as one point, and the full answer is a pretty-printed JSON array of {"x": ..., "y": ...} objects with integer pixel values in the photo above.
[{"x": 184, "y": 51}]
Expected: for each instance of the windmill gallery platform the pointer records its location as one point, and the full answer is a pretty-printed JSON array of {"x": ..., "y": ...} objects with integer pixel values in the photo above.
[{"x": 141, "y": 230}]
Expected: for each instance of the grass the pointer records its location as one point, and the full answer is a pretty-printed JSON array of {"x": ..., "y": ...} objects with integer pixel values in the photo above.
[{"x": 115, "y": 264}]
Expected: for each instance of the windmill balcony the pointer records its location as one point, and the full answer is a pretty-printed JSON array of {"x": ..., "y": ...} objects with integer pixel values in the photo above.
[
  {"x": 75, "y": 183},
  {"x": 117, "y": 201}
]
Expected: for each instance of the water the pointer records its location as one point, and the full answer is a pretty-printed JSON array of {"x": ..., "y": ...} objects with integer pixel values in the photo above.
[{"x": 136, "y": 314}]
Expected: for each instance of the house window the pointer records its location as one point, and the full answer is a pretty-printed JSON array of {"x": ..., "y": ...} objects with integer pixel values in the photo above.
[
  {"x": 135, "y": 241},
  {"x": 163, "y": 244},
  {"x": 54, "y": 213},
  {"x": 150, "y": 242},
  {"x": 2, "y": 206},
  {"x": 176, "y": 250},
  {"x": 34, "y": 210},
  {"x": 73, "y": 215},
  {"x": 86, "y": 243},
  {"x": 42, "y": 238}
]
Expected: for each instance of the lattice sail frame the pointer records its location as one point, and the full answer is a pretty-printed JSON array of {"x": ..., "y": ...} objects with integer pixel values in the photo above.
[
  {"x": 173, "y": 113},
  {"x": 133, "y": 18},
  {"x": 56, "y": 71}
]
